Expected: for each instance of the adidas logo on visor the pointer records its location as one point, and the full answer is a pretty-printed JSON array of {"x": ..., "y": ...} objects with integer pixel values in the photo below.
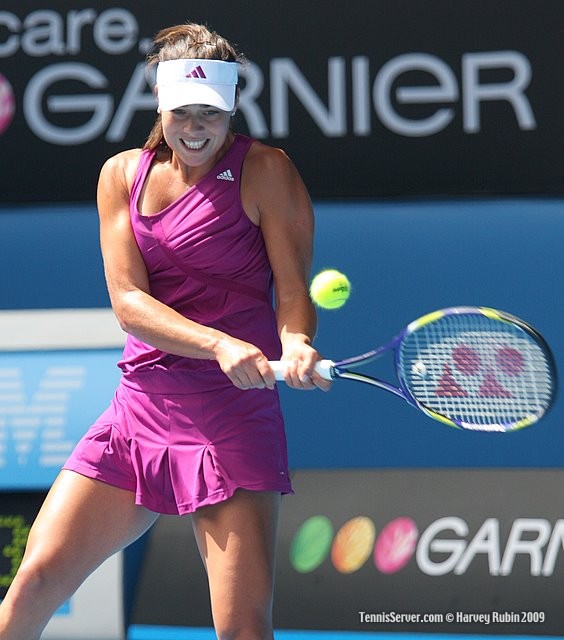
[{"x": 197, "y": 72}]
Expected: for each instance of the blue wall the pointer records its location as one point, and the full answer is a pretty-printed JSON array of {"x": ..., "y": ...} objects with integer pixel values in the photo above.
[{"x": 404, "y": 259}]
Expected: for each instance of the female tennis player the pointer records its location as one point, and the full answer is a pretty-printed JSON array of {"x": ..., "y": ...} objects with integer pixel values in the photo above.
[{"x": 198, "y": 230}]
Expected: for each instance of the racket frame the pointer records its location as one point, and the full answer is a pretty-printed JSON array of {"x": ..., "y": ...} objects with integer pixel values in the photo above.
[{"x": 341, "y": 369}]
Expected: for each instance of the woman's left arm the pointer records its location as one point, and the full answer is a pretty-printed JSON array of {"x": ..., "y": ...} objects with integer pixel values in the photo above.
[{"x": 275, "y": 197}]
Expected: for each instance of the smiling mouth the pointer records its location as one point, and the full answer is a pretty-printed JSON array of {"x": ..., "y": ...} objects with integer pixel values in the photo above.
[{"x": 194, "y": 145}]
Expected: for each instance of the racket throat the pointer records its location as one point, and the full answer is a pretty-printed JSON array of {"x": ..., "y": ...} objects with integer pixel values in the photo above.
[{"x": 386, "y": 386}]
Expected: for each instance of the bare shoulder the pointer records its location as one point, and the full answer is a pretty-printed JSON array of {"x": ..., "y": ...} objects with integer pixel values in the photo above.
[
  {"x": 115, "y": 182},
  {"x": 272, "y": 190},
  {"x": 121, "y": 167},
  {"x": 269, "y": 171},
  {"x": 262, "y": 159}
]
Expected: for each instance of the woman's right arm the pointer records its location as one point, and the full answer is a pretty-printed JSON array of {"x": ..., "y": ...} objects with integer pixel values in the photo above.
[{"x": 142, "y": 315}]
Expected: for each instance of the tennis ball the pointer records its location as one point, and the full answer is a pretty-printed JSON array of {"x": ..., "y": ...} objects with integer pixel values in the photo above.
[{"x": 330, "y": 289}]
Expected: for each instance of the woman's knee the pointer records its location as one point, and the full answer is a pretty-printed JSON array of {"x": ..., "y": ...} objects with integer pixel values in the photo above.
[
  {"x": 36, "y": 577},
  {"x": 29, "y": 579}
]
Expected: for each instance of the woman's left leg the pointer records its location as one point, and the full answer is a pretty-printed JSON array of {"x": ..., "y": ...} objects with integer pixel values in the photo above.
[{"x": 237, "y": 541}]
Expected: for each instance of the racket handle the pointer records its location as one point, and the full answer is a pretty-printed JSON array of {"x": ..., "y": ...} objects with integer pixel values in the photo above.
[{"x": 323, "y": 368}]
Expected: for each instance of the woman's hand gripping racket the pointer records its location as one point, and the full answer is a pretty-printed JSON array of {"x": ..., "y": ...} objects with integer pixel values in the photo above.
[{"x": 469, "y": 367}]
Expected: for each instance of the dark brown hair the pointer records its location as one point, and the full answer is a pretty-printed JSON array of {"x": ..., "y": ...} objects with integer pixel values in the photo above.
[{"x": 188, "y": 40}]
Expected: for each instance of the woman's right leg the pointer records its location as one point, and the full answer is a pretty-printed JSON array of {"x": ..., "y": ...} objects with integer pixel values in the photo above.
[{"x": 81, "y": 524}]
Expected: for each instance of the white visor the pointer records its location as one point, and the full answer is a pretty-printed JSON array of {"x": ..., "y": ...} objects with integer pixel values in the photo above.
[{"x": 189, "y": 81}]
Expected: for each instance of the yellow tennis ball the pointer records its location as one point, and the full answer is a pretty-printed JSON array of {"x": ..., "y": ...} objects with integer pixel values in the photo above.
[{"x": 330, "y": 289}]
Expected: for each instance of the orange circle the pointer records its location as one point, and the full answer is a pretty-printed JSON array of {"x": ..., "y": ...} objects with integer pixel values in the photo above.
[{"x": 353, "y": 544}]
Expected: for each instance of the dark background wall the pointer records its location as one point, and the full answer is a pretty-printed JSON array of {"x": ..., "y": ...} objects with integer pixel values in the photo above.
[{"x": 390, "y": 97}]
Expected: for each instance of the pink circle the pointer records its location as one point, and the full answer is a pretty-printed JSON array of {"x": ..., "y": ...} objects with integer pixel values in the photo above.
[
  {"x": 466, "y": 360},
  {"x": 510, "y": 361},
  {"x": 395, "y": 545},
  {"x": 7, "y": 104}
]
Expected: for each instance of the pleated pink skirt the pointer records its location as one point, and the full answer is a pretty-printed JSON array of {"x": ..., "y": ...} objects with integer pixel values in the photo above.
[{"x": 180, "y": 452}]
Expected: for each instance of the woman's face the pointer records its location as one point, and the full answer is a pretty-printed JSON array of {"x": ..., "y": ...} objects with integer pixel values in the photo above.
[{"x": 196, "y": 133}]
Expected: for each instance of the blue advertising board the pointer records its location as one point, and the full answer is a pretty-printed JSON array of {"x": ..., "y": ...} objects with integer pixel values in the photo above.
[
  {"x": 404, "y": 259},
  {"x": 47, "y": 401}
]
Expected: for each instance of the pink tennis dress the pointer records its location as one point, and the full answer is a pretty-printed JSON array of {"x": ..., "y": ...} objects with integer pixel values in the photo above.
[{"x": 178, "y": 433}]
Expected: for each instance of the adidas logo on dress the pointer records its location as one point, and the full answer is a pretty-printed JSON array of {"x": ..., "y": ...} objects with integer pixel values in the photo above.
[{"x": 226, "y": 175}]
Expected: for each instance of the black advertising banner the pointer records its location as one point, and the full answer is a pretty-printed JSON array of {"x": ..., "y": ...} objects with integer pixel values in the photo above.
[
  {"x": 436, "y": 551},
  {"x": 370, "y": 99},
  {"x": 442, "y": 551}
]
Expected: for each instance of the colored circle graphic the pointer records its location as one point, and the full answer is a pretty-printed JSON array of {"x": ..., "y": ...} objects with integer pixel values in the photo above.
[
  {"x": 395, "y": 545},
  {"x": 353, "y": 544},
  {"x": 7, "y": 104},
  {"x": 311, "y": 544}
]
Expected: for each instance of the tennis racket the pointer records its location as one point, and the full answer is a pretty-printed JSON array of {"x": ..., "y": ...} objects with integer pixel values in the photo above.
[{"x": 469, "y": 367}]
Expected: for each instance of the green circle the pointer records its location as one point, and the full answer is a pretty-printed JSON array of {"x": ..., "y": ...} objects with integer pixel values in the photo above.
[{"x": 311, "y": 544}]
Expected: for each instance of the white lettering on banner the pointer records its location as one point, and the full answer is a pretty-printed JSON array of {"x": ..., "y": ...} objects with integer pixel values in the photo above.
[
  {"x": 100, "y": 106},
  {"x": 555, "y": 544},
  {"x": 528, "y": 537},
  {"x": 285, "y": 74},
  {"x": 445, "y": 91},
  {"x": 513, "y": 92},
  {"x": 385, "y": 93},
  {"x": 23, "y": 423},
  {"x": 517, "y": 544},
  {"x": 254, "y": 84},
  {"x": 361, "y": 95},
  {"x": 135, "y": 98},
  {"x": 115, "y": 31},
  {"x": 454, "y": 548},
  {"x": 13, "y": 25}
]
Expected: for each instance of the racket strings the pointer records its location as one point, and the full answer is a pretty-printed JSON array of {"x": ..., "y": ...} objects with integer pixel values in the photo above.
[{"x": 476, "y": 371}]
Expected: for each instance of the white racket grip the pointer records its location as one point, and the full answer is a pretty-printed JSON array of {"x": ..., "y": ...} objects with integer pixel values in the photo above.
[{"x": 322, "y": 367}]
